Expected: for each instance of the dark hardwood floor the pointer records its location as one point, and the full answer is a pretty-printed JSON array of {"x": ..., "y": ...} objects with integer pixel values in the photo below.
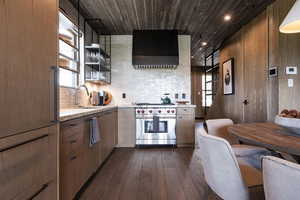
[{"x": 154, "y": 174}]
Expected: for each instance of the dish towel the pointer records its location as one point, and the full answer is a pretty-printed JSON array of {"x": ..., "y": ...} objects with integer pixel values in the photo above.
[
  {"x": 94, "y": 131},
  {"x": 156, "y": 124}
]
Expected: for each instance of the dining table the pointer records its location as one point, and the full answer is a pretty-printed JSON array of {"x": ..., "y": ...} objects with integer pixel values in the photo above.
[{"x": 269, "y": 135}]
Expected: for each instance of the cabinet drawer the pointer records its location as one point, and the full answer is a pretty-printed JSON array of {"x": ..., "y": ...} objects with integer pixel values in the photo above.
[
  {"x": 27, "y": 162},
  {"x": 71, "y": 128},
  {"x": 72, "y": 139},
  {"x": 185, "y": 111}
]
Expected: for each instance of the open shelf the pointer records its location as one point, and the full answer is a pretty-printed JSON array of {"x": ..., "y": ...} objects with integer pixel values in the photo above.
[
  {"x": 68, "y": 43},
  {"x": 68, "y": 58},
  {"x": 97, "y": 53}
]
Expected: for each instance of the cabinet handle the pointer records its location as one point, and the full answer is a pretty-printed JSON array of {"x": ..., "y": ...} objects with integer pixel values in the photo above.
[
  {"x": 39, "y": 191},
  {"x": 23, "y": 143},
  {"x": 54, "y": 96},
  {"x": 72, "y": 125},
  {"x": 73, "y": 158},
  {"x": 73, "y": 141}
]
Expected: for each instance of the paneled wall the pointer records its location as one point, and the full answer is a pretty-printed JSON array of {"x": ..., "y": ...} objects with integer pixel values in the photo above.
[
  {"x": 257, "y": 46},
  {"x": 284, "y": 51}
]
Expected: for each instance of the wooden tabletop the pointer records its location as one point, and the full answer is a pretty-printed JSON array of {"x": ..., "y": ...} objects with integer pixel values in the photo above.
[{"x": 268, "y": 135}]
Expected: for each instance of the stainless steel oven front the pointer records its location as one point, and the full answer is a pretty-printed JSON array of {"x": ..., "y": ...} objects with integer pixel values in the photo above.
[{"x": 156, "y": 126}]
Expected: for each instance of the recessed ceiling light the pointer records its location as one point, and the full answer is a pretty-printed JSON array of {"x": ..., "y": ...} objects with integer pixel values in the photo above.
[
  {"x": 204, "y": 43},
  {"x": 227, "y": 17}
]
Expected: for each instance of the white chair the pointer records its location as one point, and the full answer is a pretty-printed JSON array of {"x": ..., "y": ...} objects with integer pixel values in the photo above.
[
  {"x": 218, "y": 127},
  {"x": 281, "y": 179},
  {"x": 229, "y": 177}
]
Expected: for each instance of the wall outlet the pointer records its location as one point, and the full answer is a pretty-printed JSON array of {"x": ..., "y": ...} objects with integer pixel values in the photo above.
[
  {"x": 124, "y": 95},
  {"x": 290, "y": 83},
  {"x": 176, "y": 96},
  {"x": 183, "y": 95}
]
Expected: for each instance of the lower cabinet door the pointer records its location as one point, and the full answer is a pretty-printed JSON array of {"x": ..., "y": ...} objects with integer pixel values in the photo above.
[
  {"x": 185, "y": 130},
  {"x": 27, "y": 163},
  {"x": 47, "y": 192},
  {"x": 70, "y": 178}
]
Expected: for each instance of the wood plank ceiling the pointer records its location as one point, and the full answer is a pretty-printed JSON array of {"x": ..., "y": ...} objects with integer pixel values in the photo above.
[{"x": 202, "y": 19}]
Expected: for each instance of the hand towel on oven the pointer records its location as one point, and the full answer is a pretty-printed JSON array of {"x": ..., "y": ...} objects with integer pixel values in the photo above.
[
  {"x": 155, "y": 124},
  {"x": 94, "y": 131}
]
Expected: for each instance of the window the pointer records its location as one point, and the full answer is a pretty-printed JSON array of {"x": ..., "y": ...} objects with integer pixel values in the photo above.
[
  {"x": 207, "y": 95},
  {"x": 69, "y": 52}
]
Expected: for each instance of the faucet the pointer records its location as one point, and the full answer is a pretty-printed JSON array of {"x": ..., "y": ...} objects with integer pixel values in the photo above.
[
  {"x": 87, "y": 92},
  {"x": 86, "y": 89}
]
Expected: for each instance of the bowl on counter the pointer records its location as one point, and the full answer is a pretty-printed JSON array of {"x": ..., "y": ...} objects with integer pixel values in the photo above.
[{"x": 290, "y": 124}]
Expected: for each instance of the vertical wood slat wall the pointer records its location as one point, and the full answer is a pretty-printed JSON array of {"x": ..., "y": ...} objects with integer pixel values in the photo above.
[{"x": 267, "y": 95}]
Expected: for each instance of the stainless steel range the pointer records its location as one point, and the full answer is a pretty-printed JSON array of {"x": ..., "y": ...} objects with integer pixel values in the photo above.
[{"x": 155, "y": 124}]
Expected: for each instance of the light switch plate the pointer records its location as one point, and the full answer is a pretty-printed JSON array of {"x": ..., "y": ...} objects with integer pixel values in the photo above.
[
  {"x": 290, "y": 83},
  {"x": 291, "y": 70}
]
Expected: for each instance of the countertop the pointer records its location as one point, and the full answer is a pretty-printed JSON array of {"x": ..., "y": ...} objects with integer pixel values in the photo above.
[{"x": 74, "y": 113}]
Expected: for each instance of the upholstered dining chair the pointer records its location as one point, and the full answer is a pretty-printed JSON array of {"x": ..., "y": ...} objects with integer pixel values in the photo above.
[
  {"x": 281, "y": 179},
  {"x": 231, "y": 178},
  {"x": 218, "y": 127}
]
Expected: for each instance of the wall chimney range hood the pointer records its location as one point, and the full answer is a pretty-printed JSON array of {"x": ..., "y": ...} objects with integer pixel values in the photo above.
[{"x": 153, "y": 49}]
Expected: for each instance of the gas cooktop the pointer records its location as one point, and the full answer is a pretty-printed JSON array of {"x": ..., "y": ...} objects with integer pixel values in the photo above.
[{"x": 154, "y": 104}]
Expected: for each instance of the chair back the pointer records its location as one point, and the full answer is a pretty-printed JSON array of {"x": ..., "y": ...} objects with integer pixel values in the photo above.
[
  {"x": 218, "y": 127},
  {"x": 281, "y": 179},
  {"x": 221, "y": 169}
]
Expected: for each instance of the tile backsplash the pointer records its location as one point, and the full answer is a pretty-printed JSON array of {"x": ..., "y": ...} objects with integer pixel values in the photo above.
[
  {"x": 147, "y": 85},
  {"x": 138, "y": 85}
]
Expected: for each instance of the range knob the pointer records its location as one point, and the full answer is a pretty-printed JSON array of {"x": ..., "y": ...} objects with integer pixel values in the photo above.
[
  {"x": 168, "y": 111},
  {"x": 150, "y": 111},
  {"x": 159, "y": 111},
  {"x": 138, "y": 112},
  {"x": 173, "y": 111},
  {"x": 143, "y": 111}
]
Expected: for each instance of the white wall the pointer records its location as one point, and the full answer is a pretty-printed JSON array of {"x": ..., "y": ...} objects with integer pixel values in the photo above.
[{"x": 147, "y": 85}]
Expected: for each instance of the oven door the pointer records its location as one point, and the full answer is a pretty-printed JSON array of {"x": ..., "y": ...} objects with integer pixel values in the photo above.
[{"x": 152, "y": 132}]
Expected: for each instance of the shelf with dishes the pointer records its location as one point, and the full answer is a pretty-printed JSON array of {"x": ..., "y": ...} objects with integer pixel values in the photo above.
[{"x": 98, "y": 60}]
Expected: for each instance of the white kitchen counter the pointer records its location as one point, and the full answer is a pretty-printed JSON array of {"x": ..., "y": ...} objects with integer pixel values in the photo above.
[
  {"x": 68, "y": 114},
  {"x": 157, "y": 106},
  {"x": 73, "y": 113}
]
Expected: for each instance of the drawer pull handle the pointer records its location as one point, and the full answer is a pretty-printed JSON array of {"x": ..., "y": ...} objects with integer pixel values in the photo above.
[
  {"x": 73, "y": 158},
  {"x": 71, "y": 125},
  {"x": 73, "y": 141},
  {"x": 23, "y": 143},
  {"x": 38, "y": 192}
]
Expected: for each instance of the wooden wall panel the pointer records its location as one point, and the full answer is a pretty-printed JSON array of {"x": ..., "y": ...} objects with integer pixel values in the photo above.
[
  {"x": 233, "y": 107},
  {"x": 255, "y": 68},
  {"x": 266, "y": 50},
  {"x": 248, "y": 47},
  {"x": 273, "y": 61},
  {"x": 289, "y": 46}
]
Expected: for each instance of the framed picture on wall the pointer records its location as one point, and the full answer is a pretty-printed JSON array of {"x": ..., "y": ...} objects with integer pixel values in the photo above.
[{"x": 228, "y": 77}]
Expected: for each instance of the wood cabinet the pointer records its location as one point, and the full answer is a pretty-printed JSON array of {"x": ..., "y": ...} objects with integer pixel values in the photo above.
[
  {"x": 107, "y": 123},
  {"x": 185, "y": 127},
  {"x": 79, "y": 160},
  {"x": 28, "y": 49},
  {"x": 126, "y": 127},
  {"x": 28, "y": 165},
  {"x": 71, "y": 157}
]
